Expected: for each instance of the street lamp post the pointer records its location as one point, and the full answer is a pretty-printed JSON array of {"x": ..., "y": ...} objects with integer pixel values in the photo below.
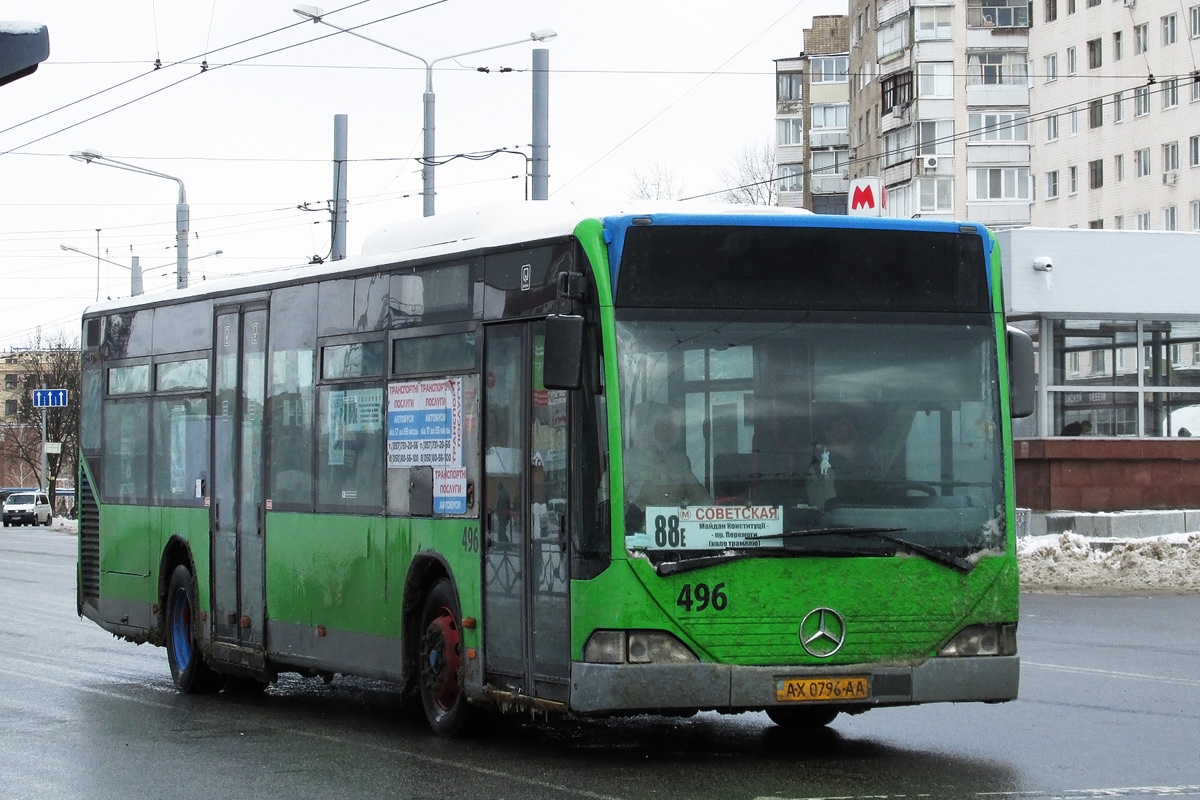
[
  {"x": 428, "y": 152},
  {"x": 181, "y": 207},
  {"x": 135, "y": 270}
]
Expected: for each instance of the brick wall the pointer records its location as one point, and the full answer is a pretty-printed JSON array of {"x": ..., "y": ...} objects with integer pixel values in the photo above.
[{"x": 1102, "y": 474}]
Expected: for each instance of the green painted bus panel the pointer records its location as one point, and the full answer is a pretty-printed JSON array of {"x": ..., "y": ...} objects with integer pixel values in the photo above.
[
  {"x": 133, "y": 543},
  {"x": 897, "y": 610},
  {"x": 348, "y": 573},
  {"x": 334, "y": 571}
]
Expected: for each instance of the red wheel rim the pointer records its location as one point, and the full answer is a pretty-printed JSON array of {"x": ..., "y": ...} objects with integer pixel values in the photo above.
[{"x": 443, "y": 659}]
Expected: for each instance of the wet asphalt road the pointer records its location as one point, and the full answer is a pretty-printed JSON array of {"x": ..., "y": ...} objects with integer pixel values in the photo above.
[{"x": 1110, "y": 707}]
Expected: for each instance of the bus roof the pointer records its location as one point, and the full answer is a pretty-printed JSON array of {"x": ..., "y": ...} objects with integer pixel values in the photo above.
[{"x": 498, "y": 225}]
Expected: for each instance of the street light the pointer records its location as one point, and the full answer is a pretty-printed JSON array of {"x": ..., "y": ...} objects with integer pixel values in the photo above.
[
  {"x": 428, "y": 152},
  {"x": 135, "y": 271},
  {"x": 181, "y": 208}
]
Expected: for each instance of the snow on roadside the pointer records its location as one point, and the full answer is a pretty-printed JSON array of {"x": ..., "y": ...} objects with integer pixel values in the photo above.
[{"x": 1069, "y": 562}]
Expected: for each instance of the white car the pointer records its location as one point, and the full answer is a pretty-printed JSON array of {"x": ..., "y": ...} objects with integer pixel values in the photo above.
[{"x": 28, "y": 507}]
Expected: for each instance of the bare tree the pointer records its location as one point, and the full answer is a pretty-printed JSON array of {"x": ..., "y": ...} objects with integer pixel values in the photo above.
[
  {"x": 52, "y": 362},
  {"x": 658, "y": 182},
  {"x": 750, "y": 179}
]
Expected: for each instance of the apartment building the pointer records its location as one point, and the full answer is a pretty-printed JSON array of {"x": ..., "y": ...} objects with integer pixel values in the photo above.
[
  {"x": 812, "y": 112},
  {"x": 1116, "y": 101}
]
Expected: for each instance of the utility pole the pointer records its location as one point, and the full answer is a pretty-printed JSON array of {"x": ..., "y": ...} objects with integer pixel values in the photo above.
[
  {"x": 541, "y": 123},
  {"x": 337, "y": 250}
]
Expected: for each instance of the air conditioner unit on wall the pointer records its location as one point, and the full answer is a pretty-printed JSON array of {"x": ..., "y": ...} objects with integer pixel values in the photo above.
[
  {"x": 1128, "y": 3},
  {"x": 929, "y": 163},
  {"x": 1171, "y": 177}
]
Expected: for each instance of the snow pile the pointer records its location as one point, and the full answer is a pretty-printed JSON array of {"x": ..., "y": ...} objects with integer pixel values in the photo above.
[{"x": 1070, "y": 562}]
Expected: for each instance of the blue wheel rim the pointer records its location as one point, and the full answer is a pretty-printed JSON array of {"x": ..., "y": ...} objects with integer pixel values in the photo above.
[{"x": 181, "y": 628}]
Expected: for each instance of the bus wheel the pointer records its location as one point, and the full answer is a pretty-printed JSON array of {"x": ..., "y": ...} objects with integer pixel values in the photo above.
[
  {"x": 802, "y": 718},
  {"x": 190, "y": 673},
  {"x": 440, "y": 659}
]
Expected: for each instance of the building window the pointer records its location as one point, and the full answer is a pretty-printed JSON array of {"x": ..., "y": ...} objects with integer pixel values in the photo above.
[
  {"x": 937, "y": 194},
  {"x": 1143, "y": 161},
  {"x": 830, "y": 115},
  {"x": 789, "y": 130},
  {"x": 1170, "y": 218},
  {"x": 1052, "y": 184},
  {"x": 1170, "y": 93},
  {"x": 1195, "y": 90},
  {"x": 10, "y": 408},
  {"x": 1070, "y": 6},
  {"x": 992, "y": 69},
  {"x": 935, "y": 23},
  {"x": 1096, "y": 224},
  {"x": 1141, "y": 38},
  {"x": 1118, "y": 107},
  {"x": 1141, "y": 101},
  {"x": 12, "y": 382},
  {"x": 1051, "y": 9},
  {"x": 1000, "y": 183},
  {"x": 789, "y": 86},
  {"x": 999, "y": 127},
  {"x": 1143, "y": 221},
  {"x": 1051, "y": 62},
  {"x": 790, "y": 178},
  {"x": 1170, "y": 156},
  {"x": 1119, "y": 222},
  {"x": 892, "y": 37},
  {"x": 1117, "y": 53},
  {"x": 936, "y": 137},
  {"x": 1095, "y": 54},
  {"x": 997, "y": 14},
  {"x": 1119, "y": 165},
  {"x": 1095, "y": 113},
  {"x": 1196, "y": 215},
  {"x": 896, "y": 90},
  {"x": 1169, "y": 32},
  {"x": 898, "y": 146},
  {"x": 829, "y": 69},
  {"x": 1070, "y": 60},
  {"x": 935, "y": 79},
  {"x": 1052, "y": 127},
  {"x": 1194, "y": 151},
  {"x": 1093, "y": 3},
  {"x": 1073, "y": 120},
  {"x": 1194, "y": 14},
  {"x": 1096, "y": 174},
  {"x": 1073, "y": 179}
]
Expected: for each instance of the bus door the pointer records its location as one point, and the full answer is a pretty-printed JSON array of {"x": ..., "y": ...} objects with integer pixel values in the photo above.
[
  {"x": 526, "y": 618},
  {"x": 236, "y": 513}
]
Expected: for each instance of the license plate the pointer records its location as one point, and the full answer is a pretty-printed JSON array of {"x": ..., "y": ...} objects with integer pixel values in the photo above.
[{"x": 841, "y": 687}]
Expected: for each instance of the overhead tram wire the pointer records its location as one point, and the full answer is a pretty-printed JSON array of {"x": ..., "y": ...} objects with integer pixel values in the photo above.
[{"x": 430, "y": 4}]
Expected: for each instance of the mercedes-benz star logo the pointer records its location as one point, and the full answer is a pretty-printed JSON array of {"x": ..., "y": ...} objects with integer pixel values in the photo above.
[{"x": 822, "y": 632}]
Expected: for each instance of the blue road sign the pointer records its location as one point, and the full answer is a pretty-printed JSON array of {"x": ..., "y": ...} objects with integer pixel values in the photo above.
[{"x": 49, "y": 398}]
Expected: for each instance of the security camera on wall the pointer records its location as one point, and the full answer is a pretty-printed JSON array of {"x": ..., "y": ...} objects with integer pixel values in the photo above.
[{"x": 1043, "y": 264}]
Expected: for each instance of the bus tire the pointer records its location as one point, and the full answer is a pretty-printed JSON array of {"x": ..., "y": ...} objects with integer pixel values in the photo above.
[
  {"x": 803, "y": 718},
  {"x": 188, "y": 670},
  {"x": 439, "y": 664}
]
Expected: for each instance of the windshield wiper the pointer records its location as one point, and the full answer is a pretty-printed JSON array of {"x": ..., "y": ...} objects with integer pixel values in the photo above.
[
  {"x": 883, "y": 535},
  {"x": 689, "y": 564}
]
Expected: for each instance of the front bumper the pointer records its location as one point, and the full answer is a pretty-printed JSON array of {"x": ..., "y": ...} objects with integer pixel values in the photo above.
[
  {"x": 630, "y": 688},
  {"x": 21, "y": 518}
]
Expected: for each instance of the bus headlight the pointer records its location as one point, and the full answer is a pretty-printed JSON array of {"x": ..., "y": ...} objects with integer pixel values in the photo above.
[
  {"x": 636, "y": 647},
  {"x": 983, "y": 640}
]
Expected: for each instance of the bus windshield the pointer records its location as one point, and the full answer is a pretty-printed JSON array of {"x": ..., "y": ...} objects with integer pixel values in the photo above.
[{"x": 769, "y": 434}]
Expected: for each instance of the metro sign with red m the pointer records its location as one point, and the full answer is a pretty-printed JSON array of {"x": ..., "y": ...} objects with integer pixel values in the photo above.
[{"x": 868, "y": 197}]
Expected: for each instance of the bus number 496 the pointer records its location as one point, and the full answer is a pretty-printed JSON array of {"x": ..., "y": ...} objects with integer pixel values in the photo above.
[{"x": 702, "y": 597}]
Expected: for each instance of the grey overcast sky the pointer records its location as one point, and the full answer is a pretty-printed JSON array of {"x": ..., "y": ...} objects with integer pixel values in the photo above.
[{"x": 680, "y": 83}]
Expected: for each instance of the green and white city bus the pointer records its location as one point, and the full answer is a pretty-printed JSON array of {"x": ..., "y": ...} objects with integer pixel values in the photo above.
[{"x": 533, "y": 459}]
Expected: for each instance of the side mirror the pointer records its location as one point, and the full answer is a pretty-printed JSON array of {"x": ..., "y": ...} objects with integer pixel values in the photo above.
[
  {"x": 1021, "y": 374},
  {"x": 562, "y": 360}
]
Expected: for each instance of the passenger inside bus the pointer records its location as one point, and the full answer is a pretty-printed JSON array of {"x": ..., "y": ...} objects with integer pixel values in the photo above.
[{"x": 657, "y": 470}]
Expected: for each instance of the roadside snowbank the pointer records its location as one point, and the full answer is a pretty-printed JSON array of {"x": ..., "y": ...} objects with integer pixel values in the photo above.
[{"x": 1069, "y": 562}]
